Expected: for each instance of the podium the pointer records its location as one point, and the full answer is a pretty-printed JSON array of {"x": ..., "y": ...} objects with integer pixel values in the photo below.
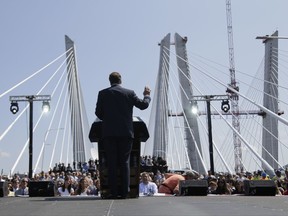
[{"x": 141, "y": 134}]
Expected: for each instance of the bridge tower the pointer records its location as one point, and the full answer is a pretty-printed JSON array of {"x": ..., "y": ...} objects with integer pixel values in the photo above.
[
  {"x": 270, "y": 101},
  {"x": 190, "y": 124},
  {"x": 76, "y": 105},
  {"x": 161, "y": 114}
]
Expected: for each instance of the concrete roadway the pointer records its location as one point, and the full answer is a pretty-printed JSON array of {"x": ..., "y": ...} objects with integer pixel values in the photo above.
[{"x": 177, "y": 206}]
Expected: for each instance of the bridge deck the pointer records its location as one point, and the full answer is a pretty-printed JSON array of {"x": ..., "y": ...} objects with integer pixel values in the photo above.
[{"x": 144, "y": 206}]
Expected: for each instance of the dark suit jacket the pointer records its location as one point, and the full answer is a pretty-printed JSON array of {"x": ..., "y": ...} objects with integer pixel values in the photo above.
[{"x": 115, "y": 108}]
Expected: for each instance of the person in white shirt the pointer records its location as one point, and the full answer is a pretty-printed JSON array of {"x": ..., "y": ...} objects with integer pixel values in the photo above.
[
  {"x": 146, "y": 186},
  {"x": 15, "y": 185},
  {"x": 23, "y": 189},
  {"x": 66, "y": 189}
]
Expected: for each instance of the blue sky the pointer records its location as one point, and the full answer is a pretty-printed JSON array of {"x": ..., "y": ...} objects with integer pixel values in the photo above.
[{"x": 123, "y": 36}]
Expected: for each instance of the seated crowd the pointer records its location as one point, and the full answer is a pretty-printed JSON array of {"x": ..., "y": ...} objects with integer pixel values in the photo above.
[
  {"x": 83, "y": 179},
  {"x": 220, "y": 183}
]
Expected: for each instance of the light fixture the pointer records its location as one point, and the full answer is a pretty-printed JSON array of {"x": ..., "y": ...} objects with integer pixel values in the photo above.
[
  {"x": 14, "y": 108},
  {"x": 225, "y": 106},
  {"x": 46, "y": 106},
  {"x": 194, "y": 108}
]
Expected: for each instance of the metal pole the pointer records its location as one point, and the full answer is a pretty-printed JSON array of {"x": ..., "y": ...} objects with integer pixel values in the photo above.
[
  {"x": 210, "y": 136},
  {"x": 30, "y": 136},
  {"x": 30, "y": 99}
]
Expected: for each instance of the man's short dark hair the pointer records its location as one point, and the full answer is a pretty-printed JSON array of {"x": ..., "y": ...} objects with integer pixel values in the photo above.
[{"x": 115, "y": 78}]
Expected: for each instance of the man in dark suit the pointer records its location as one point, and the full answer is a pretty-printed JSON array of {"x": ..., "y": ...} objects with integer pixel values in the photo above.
[{"x": 115, "y": 108}]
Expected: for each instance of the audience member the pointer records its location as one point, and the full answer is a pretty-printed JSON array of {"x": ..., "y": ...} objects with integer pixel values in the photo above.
[
  {"x": 15, "y": 185},
  {"x": 222, "y": 187},
  {"x": 83, "y": 187},
  {"x": 66, "y": 188},
  {"x": 171, "y": 182},
  {"x": 146, "y": 186},
  {"x": 23, "y": 188}
]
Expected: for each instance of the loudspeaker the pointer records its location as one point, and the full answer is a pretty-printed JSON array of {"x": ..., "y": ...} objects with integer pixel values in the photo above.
[
  {"x": 259, "y": 188},
  {"x": 193, "y": 188},
  {"x": 41, "y": 188},
  {"x": 3, "y": 189}
]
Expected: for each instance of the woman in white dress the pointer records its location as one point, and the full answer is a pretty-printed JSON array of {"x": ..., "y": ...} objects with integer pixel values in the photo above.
[{"x": 66, "y": 189}]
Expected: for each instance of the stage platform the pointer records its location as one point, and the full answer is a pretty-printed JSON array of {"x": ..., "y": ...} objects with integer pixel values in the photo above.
[{"x": 146, "y": 206}]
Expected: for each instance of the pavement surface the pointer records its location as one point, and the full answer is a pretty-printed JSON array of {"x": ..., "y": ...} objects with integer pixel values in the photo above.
[{"x": 146, "y": 206}]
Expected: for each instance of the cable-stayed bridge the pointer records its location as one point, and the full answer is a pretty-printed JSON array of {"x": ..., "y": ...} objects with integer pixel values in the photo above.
[
  {"x": 183, "y": 137},
  {"x": 176, "y": 134},
  {"x": 63, "y": 132}
]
